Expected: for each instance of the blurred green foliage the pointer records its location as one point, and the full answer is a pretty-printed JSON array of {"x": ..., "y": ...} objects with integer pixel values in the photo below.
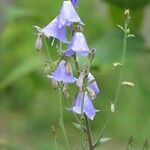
[{"x": 28, "y": 104}]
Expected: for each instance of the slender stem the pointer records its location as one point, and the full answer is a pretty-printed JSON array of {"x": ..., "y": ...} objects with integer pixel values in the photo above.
[
  {"x": 48, "y": 52},
  {"x": 88, "y": 133},
  {"x": 56, "y": 145},
  {"x": 122, "y": 68},
  {"x": 62, "y": 118},
  {"x": 103, "y": 129},
  {"x": 119, "y": 84},
  {"x": 83, "y": 95}
]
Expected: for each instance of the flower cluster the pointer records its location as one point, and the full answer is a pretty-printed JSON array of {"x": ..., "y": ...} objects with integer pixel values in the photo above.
[{"x": 63, "y": 73}]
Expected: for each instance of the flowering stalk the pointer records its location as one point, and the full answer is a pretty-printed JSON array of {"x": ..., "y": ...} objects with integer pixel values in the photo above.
[
  {"x": 62, "y": 118},
  {"x": 120, "y": 79},
  {"x": 88, "y": 133}
]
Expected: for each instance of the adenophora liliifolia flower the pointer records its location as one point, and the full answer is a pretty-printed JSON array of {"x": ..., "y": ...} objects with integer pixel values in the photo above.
[
  {"x": 52, "y": 30},
  {"x": 63, "y": 72},
  {"x": 78, "y": 45},
  {"x": 68, "y": 15},
  {"x": 92, "y": 86},
  {"x": 75, "y": 2},
  {"x": 88, "y": 107}
]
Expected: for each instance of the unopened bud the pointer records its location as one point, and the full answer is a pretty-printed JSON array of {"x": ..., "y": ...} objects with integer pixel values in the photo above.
[
  {"x": 112, "y": 108},
  {"x": 130, "y": 84},
  {"x": 68, "y": 68},
  {"x": 131, "y": 35},
  {"x": 38, "y": 42},
  {"x": 117, "y": 64},
  {"x": 127, "y": 12},
  {"x": 127, "y": 15},
  {"x": 79, "y": 82}
]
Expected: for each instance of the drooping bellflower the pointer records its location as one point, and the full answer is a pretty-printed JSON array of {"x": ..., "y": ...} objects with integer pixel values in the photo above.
[
  {"x": 52, "y": 30},
  {"x": 68, "y": 15},
  {"x": 88, "y": 107},
  {"x": 75, "y": 2},
  {"x": 78, "y": 45},
  {"x": 63, "y": 72}
]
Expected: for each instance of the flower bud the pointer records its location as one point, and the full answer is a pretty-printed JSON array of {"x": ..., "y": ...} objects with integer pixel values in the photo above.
[
  {"x": 129, "y": 84},
  {"x": 112, "y": 108},
  {"x": 38, "y": 43},
  {"x": 127, "y": 15},
  {"x": 117, "y": 64},
  {"x": 79, "y": 82}
]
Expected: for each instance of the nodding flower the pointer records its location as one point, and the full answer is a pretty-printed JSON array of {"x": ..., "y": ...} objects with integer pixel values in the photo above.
[
  {"x": 63, "y": 72},
  {"x": 75, "y": 2},
  {"x": 78, "y": 45},
  {"x": 85, "y": 101},
  {"x": 68, "y": 15},
  {"x": 52, "y": 30}
]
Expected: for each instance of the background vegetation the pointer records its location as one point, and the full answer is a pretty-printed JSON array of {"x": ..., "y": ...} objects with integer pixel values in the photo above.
[{"x": 28, "y": 104}]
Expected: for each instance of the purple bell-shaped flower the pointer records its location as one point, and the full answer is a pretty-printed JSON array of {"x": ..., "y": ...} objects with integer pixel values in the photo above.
[
  {"x": 93, "y": 86},
  {"x": 68, "y": 15},
  {"x": 52, "y": 30},
  {"x": 63, "y": 73},
  {"x": 77, "y": 45},
  {"x": 75, "y": 2},
  {"x": 88, "y": 107}
]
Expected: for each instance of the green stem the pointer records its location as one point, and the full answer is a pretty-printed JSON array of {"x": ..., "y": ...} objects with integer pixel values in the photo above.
[
  {"x": 103, "y": 130},
  {"x": 56, "y": 145},
  {"x": 122, "y": 68},
  {"x": 62, "y": 118},
  {"x": 118, "y": 86},
  {"x": 48, "y": 52},
  {"x": 82, "y": 121},
  {"x": 88, "y": 133}
]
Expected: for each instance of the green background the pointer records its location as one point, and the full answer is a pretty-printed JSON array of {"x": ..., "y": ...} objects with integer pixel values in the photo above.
[{"x": 28, "y": 104}]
